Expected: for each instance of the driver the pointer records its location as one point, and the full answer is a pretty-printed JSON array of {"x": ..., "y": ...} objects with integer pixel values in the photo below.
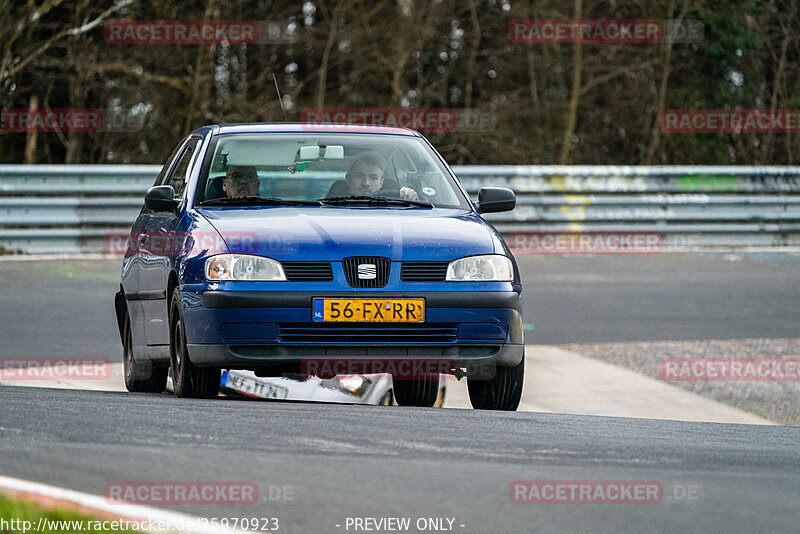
[
  {"x": 366, "y": 176},
  {"x": 240, "y": 181}
]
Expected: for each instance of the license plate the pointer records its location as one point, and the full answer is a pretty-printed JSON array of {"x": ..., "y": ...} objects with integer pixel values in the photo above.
[
  {"x": 254, "y": 388},
  {"x": 369, "y": 310}
]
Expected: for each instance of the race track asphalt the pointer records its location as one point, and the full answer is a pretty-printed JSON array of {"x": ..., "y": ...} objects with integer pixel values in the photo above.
[
  {"x": 367, "y": 461},
  {"x": 357, "y": 461}
]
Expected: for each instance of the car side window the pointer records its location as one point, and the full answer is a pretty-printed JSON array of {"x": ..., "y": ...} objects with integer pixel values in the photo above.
[
  {"x": 162, "y": 176},
  {"x": 177, "y": 178}
]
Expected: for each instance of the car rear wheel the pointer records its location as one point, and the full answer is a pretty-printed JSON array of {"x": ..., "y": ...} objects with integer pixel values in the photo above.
[
  {"x": 501, "y": 392},
  {"x": 417, "y": 391},
  {"x": 188, "y": 380},
  {"x": 140, "y": 377}
]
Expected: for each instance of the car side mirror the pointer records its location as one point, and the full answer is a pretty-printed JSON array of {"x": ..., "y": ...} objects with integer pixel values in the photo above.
[
  {"x": 161, "y": 198},
  {"x": 494, "y": 199}
]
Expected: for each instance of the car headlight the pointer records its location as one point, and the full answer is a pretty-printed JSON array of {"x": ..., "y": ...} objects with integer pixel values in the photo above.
[
  {"x": 242, "y": 267},
  {"x": 489, "y": 268}
]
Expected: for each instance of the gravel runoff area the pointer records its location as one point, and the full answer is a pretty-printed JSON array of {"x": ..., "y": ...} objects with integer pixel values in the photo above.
[{"x": 774, "y": 399}]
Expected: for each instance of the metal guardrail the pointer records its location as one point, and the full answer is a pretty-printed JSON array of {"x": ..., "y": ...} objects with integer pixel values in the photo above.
[{"x": 73, "y": 208}]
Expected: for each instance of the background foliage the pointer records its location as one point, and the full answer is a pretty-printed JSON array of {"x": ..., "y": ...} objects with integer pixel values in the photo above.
[{"x": 408, "y": 53}]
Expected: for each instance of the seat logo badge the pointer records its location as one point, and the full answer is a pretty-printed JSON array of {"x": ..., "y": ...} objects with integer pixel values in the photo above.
[{"x": 367, "y": 271}]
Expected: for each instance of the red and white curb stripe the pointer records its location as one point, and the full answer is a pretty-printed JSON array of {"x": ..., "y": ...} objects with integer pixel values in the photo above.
[{"x": 85, "y": 503}]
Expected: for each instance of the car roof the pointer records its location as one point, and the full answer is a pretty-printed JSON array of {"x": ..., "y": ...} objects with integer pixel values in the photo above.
[{"x": 303, "y": 127}]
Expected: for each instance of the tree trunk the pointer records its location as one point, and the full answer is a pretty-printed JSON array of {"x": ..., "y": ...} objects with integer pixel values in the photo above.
[
  {"x": 30, "y": 141},
  {"x": 326, "y": 54},
  {"x": 473, "y": 53},
  {"x": 200, "y": 98},
  {"x": 655, "y": 137},
  {"x": 572, "y": 113},
  {"x": 766, "y": 155}
]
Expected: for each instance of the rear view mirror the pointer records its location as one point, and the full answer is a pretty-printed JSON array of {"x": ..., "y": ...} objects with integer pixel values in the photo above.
[
  {"x": 161, "y": 198},
  {"x": 321, "y": 152},
  {"x": 494, "y": 199}
]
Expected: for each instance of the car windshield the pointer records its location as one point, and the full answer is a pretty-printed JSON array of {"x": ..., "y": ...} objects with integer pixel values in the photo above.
[{"x": 339, "y": 169}]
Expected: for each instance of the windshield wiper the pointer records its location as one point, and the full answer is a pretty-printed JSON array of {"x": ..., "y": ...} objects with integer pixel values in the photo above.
[
  {"x": 254, "y": 200},
  {"x": 378, "y": 201}
]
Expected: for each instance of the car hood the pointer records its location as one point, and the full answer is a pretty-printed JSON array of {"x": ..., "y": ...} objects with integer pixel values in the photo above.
[{"x": 333, "y": 233}]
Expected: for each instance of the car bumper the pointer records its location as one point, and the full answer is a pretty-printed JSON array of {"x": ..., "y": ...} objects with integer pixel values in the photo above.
[
  {"x": 252, "y": 329},
  {"x": 252, "y": 356}
]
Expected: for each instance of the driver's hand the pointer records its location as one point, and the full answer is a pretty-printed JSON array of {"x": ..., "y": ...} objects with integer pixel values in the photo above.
[{"x": 406, "y": 193}]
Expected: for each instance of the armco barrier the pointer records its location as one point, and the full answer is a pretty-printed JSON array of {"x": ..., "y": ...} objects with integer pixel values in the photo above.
[{"x": 70, "y": 208}]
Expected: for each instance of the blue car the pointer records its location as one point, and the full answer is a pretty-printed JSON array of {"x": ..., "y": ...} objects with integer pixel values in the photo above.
[{"x": 319, "y": 250}]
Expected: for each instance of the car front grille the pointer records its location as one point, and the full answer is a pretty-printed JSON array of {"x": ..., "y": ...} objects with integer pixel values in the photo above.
[
  {"x": 308, "y": 271},
  {"x": 423, "y": 271},
  {"x": 381, "y": 271},
  {"x": 367, "y": 333}
]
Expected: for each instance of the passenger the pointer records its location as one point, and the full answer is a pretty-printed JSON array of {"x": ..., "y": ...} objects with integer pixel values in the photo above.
[{"x": 240, "y": 181}]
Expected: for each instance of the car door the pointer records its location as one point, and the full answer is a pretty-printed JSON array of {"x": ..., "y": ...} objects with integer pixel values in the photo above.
[
  {"x": 158, "y": 248},
  {"x": 133, "y": 262}
]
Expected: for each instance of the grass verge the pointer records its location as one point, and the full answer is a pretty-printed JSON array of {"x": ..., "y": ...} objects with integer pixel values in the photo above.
[{"x": 20, "y": 517}]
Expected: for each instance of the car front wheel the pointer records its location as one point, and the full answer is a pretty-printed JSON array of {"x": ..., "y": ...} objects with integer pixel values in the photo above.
[
  {"x": 140, "y": 377},
  {"x": 188, "y": 380},
  {"x": 502, "y": 391}
]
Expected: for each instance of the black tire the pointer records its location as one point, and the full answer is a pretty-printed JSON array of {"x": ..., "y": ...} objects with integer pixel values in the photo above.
[
  {"x": 188, "y": 380},
  {"x": 501, "y": 392},
  {"x": 417, "y": 391},
  {"x": 140, "y": 377}
]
